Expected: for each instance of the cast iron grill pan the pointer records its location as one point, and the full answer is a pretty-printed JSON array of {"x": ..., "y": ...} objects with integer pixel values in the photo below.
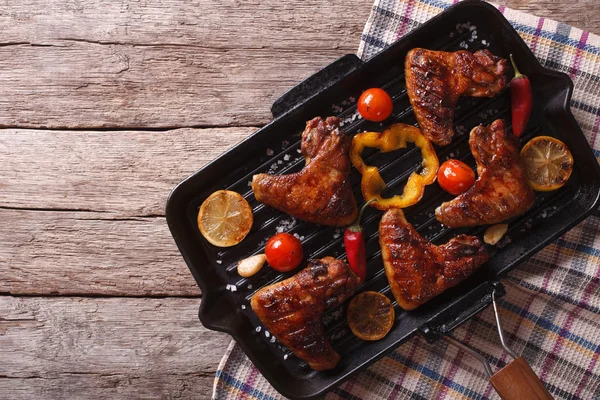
[{"x": 276, "y": 149}]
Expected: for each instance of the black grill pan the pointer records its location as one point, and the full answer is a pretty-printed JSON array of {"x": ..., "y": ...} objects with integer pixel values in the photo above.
[{"x": 275, "y": 148}]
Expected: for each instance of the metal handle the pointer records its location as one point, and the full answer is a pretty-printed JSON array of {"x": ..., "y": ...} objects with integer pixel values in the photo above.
[
  {"x": 316, "y": 84},
  {"x": 516, "y": 380},
  {"x": 461, "y": 310}
]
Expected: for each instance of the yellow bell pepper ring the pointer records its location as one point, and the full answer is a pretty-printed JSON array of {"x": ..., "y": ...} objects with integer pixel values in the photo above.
[{"x": 394, "y": 138}]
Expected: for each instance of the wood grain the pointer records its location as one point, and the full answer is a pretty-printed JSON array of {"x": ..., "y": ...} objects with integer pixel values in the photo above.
[
  {"x": 106, "y": 348},
  {"x": 86, "y": 253},
  {"x": 110, "y": 386},
  {"x": 171, "y": 63},
  {"x": 126, "y": 86},
  {"x": 518, "y": 381},
  {"x": 166, "y": 63},
  {"x": 83, "y": 212},
  {"x": 124, "y": 173},
  {"x": 266, "y": 24}
]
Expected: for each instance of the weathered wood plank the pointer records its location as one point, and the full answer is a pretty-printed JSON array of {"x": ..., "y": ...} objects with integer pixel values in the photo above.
[
  {"x": 125, "y": 173},
  {"x": 105, "y": 348},
  {"x": 77, "y": 386},
  {"x": 175, "y": 63},
  {"x": 85, "y": 253},
  {"x": 120, "y": 245},
  {"x": 248, "y": 24},
  {"x": 80, "y": 85},
  {"x": 167, "y": 64}
]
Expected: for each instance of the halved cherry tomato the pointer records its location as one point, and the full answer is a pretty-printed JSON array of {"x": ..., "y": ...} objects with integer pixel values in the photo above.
[
  {"x": 455, "y": 177},
  {"x": 375, "y": 104},
  {"x": 284, "y": 252}
]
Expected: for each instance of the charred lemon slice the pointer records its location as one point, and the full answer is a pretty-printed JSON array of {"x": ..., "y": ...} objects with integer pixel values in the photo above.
[
  {"x": 548, "y": 163},
  {"x": 370, "y": 315},
  {"x": 225, "y": 218}
]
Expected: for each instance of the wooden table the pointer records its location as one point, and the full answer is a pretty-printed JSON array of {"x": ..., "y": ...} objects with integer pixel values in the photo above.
[{"x": 104, "y": 107}]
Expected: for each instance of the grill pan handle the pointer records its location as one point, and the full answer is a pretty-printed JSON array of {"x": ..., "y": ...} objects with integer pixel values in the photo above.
[
  {"x": 461, "y": 310},
  {"x": 315, "y": 84},
  {"x": 516, "y": 380}
]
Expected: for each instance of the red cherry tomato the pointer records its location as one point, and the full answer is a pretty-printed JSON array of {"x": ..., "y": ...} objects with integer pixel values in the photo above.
[
  {"x": 455, "y": 176},
  {"x": 284, "y": 252},
  {"x": 375, "y": 104}
]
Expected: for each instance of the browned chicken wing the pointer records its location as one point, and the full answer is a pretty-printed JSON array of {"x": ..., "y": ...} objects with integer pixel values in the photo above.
[
  {"x": 436, "y": 79},
  {"x": 501, "y": 191},
  {"x": 418, "y": 270},
  {"x": 321, "y": 192},
  {"x": 292, "y": 309}
]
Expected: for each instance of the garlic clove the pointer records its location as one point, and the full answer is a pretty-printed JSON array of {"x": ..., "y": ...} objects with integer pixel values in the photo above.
[
  {"x": 251, "y": 265},
  {"x": 494, "y": 233}
]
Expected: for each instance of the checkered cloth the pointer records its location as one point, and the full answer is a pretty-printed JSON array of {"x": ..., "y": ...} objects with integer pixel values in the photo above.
[{"x": 552, "y": 306}]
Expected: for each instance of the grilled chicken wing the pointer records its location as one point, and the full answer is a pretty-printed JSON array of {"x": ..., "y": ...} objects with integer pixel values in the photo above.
[
  {"x": 321, "y": 192},
  {"x": 292, "y": 309},
  {"x": 436, "y": 79},
  {"x": 418, "y": 270},
  {"x": 501, "y": 191}
]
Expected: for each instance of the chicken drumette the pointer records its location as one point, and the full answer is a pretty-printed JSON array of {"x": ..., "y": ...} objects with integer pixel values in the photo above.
[
  {"x": 436, "y": 79},
  {"x": 501, "y": 191},
  {"x": 292, "y": 309},
  {"x": 321, "y": 192},
  {"x": 418, "y": 270}
]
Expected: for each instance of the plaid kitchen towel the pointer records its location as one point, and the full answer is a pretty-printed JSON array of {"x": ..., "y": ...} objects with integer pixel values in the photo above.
[{"x": 551, "y": 312}]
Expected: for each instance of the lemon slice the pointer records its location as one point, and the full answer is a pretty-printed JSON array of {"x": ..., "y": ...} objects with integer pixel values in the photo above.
[
  {"x": 225, "y": 218},
  {"x": 370, "y": 315},
  {"x": 548, "y": 163}
]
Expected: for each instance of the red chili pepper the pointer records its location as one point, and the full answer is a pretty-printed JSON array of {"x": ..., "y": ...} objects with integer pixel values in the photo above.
[
  {"x": 354, "y": 241},
  {"x": 521, "y": 100}
]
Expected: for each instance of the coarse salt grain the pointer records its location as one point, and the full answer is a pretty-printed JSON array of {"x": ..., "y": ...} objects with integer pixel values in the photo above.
[
  {"x": 267, "y": 333},
  {"x": 285, "y": 225},
  {"x": 269, "y": 152},
  {"x": 219, "y": 261},
  {"x": 233, "y": 288},
  {"x": 249, "y": 286},
  {"x": 285, "y": 356},
  {"x": 286, "y": 157},
  {"x": 273, "y": 339},
  {"x": 227, "y": 287},
  {"x": 258, "y": 328},
  {"x": 243, "y": 307}
]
